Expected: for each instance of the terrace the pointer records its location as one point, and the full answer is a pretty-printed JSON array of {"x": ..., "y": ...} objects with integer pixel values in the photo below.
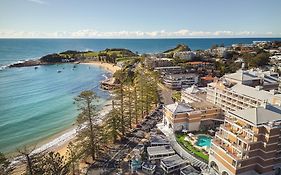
[{"x": 190, "y": 144}]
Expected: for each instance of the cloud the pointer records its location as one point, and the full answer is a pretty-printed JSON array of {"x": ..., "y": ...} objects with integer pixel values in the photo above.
[
  {"x": 91, "y": 33},
  {"x": 37, "y": 1}
]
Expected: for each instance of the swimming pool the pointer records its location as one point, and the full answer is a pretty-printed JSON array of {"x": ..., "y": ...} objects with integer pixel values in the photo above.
[{"x": 203, "y": 140}]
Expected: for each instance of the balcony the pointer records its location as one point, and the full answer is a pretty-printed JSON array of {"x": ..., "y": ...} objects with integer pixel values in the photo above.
[{"x": 227, "y": 149}]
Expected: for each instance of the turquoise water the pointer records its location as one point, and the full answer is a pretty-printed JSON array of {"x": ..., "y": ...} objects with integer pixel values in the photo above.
[
  {"x": 36, "y": 104},
  {"x": 203, "y": 140}
]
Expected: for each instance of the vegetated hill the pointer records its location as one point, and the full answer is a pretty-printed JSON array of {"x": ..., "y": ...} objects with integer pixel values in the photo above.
[
  {"x": 53, "y": 58},
  {"x": 179, "y": 48},
  {"x": 72, "y": 55},
  {"x": 120, "y": 52},
  {"x": 70, "y": 52}
]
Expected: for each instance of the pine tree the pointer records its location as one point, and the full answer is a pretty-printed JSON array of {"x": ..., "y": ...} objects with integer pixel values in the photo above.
[
  {"x": 54, "y": 163},
  {"x": 88, "y": 129}
]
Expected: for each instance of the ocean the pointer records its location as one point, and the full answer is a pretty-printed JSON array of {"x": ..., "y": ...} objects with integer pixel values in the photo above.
[{"x": 36, "y": 104}]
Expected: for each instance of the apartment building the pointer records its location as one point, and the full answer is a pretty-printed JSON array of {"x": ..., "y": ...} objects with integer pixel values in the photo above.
[
  {"x": 230, "y": 96},
  {"x": 153, "y": 62},
  {"x": 248, "y": 142},
  {"x": 179, "y": 81}
]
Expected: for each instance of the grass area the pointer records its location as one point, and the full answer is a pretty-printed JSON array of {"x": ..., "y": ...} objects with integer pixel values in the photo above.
[
  {"x": 190, "y": 148},
  {"x": 91, "y": 54},
  {"x": 123, "y": 59}
]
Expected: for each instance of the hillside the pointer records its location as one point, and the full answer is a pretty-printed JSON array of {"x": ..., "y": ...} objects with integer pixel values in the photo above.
[{"x": 179, "y": 48}]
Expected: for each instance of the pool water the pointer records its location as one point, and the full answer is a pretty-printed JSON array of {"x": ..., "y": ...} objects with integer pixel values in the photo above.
[{"x": 203, "y": 140}]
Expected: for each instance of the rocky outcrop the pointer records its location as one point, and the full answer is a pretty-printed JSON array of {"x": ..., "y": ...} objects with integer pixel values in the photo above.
[{"x": 26, "y": 63}]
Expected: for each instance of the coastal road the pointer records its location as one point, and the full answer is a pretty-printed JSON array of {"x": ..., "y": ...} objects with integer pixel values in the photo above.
[{"x": 166, "y": 94}]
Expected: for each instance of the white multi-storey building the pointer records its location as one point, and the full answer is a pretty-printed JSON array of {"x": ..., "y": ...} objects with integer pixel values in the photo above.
[{"x": 234, "y": 93}]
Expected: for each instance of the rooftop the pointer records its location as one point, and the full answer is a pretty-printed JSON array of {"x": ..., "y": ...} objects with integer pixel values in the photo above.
[
  {"x": 181, "y": 76},
  {"x": 176, "y": 108},
  {"x": 250, "y": 75},
  {"x": 260, "y": 115},
  {"x": 172, "y": 161},
  {"x": 160, "y": 150},
  {"x": 252, "y": 92},
  {"x": 189, "y": 170},
  {"x": 158, "y": 139},
  {"x": 192, "y": 89},
  {"x": 169, "y": 67},
  {"x": 242, "y": 76}
]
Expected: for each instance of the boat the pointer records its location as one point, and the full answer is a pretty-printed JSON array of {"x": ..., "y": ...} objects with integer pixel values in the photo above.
[
  {"x": 35, "y": 67},
  {"x": 58, "y": 71}
]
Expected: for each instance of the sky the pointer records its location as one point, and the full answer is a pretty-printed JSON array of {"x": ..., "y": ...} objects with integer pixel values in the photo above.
[{"x": 139, "y": 18}]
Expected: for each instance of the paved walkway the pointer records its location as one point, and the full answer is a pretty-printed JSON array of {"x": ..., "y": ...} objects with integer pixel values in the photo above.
[{"x": 184, "y": 154}]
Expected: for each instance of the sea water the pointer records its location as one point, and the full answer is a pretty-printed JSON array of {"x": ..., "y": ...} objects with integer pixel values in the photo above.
[{"x": 38, "y": 103}]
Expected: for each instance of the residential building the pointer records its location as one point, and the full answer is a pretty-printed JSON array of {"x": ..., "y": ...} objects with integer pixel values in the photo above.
[
  {"x": 248, "y": 142},
  {"x": 153, "y": 62},
  {"x": 169, "y": 70},
  {"x": 179, "y": 81},
  {"x": 159, "y": 152},
  {"x": 188, "y": 55},
  {"x": 231, "y": 96},
  {"x": 172, "y": 163}
]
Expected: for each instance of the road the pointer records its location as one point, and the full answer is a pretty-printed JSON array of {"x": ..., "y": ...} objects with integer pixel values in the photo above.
[{"x": 166, "y": 94}]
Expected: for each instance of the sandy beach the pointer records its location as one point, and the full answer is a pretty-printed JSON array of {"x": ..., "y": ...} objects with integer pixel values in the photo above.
[{"x": 107, "y": 66}]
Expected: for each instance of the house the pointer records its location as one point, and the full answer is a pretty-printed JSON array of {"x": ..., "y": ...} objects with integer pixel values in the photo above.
[
  {"x": 159, "y": 152},
  {"x": 172, "y": 163}
]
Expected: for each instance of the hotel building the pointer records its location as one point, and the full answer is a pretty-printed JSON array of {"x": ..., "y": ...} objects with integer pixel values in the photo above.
[
  {"x": 248, "y": 142},
  {"x": 230, "y": 94},
  {"x": 193, "y": 113}
]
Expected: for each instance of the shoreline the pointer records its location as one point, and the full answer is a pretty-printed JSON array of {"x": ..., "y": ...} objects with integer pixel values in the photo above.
[
  {"x": 107, "y": 66},
  {"x": 59, "y": 141}
]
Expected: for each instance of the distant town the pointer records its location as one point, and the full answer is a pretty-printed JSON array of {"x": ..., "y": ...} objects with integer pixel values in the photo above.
[{"x": 183, "y": 111}]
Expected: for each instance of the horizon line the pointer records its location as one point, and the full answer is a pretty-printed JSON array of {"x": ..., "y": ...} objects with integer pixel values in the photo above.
[{"x": 211, "y": 37}]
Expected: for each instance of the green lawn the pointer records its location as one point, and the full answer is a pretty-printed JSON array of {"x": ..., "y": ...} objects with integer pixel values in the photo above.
[
  {"x": 188, "y": 147},
  {"x": 123, "y": 59}
]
